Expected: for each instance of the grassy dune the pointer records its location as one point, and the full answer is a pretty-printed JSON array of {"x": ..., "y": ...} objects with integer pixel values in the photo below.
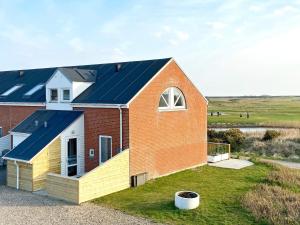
[{"x": 264, "y": 111}]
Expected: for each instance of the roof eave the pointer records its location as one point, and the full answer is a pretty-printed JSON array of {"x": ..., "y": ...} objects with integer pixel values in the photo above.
[
  {"x": 23, "y": 103},
  {"x": 18, "y": 160},
  {"x": 99, "y": 105}
]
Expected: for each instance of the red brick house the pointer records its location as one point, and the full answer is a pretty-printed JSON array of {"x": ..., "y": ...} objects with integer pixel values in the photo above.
[{"x": 77, "y": 124}]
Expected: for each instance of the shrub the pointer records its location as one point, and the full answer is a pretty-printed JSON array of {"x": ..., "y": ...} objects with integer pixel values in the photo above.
[
  {"x": 234, "y": 137},
  {"x": 271, "y": 135},
  {"x": 274, "y": 204},
  {"x": 213, "y": 135}
]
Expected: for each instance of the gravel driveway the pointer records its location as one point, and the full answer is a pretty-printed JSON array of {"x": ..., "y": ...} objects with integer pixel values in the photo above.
[{"x": 18, "y": 207}]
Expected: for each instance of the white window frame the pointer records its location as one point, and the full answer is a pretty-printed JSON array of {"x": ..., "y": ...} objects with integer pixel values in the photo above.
[
  {"x": 104, "y": 136},
  {"x": 34, "y": 89},
  {"x": 62, "y": 94},
  {"x": 172, "y": 106},
  {"x": 12, "y": 89},
  {"x": 50, "y": 95}
]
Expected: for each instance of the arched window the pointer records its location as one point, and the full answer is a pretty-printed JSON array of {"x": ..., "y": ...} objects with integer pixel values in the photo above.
[{"x": 172, "y": 99}]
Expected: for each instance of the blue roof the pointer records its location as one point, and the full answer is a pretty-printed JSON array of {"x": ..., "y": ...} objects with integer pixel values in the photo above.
[
  {"x": 111, "y": 86},
  {"x": 41, "y": 136}
]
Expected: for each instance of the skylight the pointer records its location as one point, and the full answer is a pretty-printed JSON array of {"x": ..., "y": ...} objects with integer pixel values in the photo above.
[
  {"x": 11, "y": 90},
  {"x": 35, "y": 89}
]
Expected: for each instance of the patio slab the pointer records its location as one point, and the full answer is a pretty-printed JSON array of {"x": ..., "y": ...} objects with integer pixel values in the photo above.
[{"x": 232, "y": 164}]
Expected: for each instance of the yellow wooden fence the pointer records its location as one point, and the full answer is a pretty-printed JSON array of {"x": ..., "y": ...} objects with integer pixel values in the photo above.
[{"x": 110, "y": 177}]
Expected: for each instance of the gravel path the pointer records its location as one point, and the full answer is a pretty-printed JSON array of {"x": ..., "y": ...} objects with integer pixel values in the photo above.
[{"x": 18, "y": 207}]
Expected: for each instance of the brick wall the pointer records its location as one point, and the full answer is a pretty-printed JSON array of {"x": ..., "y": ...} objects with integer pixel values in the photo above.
[
  {"x": 103, "y": 122},
  {"x": 165, "y": 142},
  {"x": 10, "y": 116}
]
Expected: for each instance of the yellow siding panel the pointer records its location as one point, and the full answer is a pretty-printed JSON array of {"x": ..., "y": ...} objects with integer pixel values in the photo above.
[
  {"x": 33, "y": 176},
  {"x": 48, "y": 160},
  {"x": 62, "y": 187},
  {"x": 25, "y": 175},
  {"x": 108, "y": 178}
]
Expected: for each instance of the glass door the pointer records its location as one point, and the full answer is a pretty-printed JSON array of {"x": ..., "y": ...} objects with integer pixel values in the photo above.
[{"x": 72, "y": 157}]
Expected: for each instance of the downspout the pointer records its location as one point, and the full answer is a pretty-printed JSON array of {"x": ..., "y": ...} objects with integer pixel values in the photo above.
[
  {"x": 17, "y": 167},
  {"x": 121, "y": 129}
]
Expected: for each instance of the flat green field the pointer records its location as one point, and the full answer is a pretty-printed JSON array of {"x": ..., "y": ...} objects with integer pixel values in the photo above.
[{"x": 263, "y": 111}]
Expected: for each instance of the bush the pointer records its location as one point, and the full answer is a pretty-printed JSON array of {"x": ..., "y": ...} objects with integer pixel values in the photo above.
[
  {"x": 215, "y": 135},
  {"x": 271, "y": 135},
  {"x": 234, "y": 137}
]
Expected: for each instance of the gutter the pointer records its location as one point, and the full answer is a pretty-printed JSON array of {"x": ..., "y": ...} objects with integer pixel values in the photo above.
[
  {"x": 17, "y": 167},
  {"x": 98, "y": 105},
  {"x": 23, "y": 103}
]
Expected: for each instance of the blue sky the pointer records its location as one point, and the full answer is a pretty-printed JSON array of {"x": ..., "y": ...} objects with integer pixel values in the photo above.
[{"x": 226, "y": 47}]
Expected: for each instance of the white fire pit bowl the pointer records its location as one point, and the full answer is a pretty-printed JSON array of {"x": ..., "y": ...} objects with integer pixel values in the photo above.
[{"x": 187, "y": 200}]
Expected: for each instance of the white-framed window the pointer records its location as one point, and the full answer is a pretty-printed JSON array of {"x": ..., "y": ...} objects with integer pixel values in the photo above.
[
  {"x": 171, "y": 99},
  {"x": 66, "y": 95},
  {"x": 11, "y": 90},
  {"x": 34, "y": 89},
  {"x": 105, "y": 148},
  {"x": 53, "y": 95}
]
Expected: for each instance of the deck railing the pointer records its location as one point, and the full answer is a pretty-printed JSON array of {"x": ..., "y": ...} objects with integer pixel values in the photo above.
[{"x": 218, "y": 148}]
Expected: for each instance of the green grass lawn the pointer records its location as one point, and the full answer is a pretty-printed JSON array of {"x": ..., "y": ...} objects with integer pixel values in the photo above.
[
  {"x": 220, "y": 191},
  {"x": 274, "y": 111}
]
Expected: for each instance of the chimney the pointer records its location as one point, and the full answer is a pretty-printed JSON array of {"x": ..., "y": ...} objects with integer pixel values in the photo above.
[
  {"x": 36, "y": 123},
  {"x": 45, "y": 124},
  {"x": 118, "y": 67},
  {"x": 21, "y": 73}
]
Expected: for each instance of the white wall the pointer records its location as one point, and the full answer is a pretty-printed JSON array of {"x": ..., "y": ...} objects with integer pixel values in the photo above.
[
  {"x": 79, "y": 87},
  {"x": 5, "y": 142},
  {"x": 75, "y": 130},
  {"x": 60, "y": 82},
  {"x": 18, "y": 138}
]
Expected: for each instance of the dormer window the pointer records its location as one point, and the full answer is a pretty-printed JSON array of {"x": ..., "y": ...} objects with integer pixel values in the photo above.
[
  {"x": 66, "y": 95},
  {"x": 53, "y": 95},
  {"x": 35, "y": 89},
  {"x": 171, "y": 99},
  {"x": 11, "y": 90}
]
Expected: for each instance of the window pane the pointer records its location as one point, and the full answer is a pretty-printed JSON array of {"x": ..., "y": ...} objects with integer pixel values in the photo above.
[
  {"x": 180, "y": 102},
  {"x": 66, "y": 95},
  {"x": 105, "y": 149},
  {"x": 162, "y": 102},
  {"x": 11, "y": 90},
  {"x": 72, "y": 171},
  {"x": 166, "y": 96},
  {"x": 164, "y": 99},
  {"x": 72, "y": 151},
  {"x": 54, "y": 95},
  {"x": 35, "y": 89},
  {"x": 176, "y": 96}
]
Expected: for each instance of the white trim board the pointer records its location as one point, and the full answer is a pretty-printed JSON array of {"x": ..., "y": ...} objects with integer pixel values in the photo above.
[
  {"x": 96, "y": 105},
  {"x": 23, "y": 103},
  {"x": 161, "y": 69}
]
